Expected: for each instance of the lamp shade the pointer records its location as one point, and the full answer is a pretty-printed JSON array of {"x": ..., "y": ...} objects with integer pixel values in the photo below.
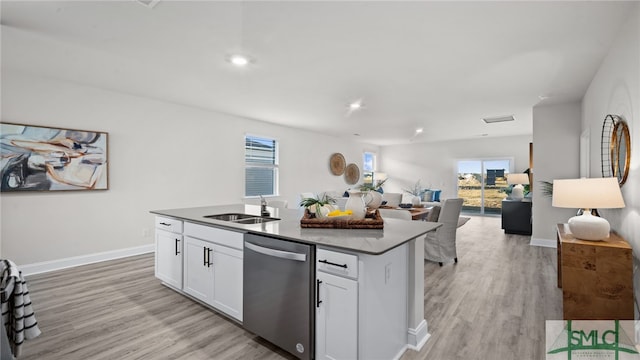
[
  {"x": 517, "y": 179},
  {"x": 595, "y": 193}
]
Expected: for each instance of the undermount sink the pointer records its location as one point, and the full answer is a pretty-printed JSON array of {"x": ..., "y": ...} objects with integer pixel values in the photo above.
[
  {"x": 240, "y": 218},
  {"x": 255, "y": 220},
  {"x": 229, "y": 216}
]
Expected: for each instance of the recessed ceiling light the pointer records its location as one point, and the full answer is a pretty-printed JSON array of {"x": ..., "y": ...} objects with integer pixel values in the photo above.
[
  {"x": 356, "y": 105},
  {"x": 419, "y": 131},
  {"x": 239, "y": 60},
  {"x": 497, "y": 119},
  {"x": 356, "y": 134}
]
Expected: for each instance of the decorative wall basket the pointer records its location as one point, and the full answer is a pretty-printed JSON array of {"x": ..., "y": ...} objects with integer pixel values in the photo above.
[
  {"x": 352, "y": 174},
  {"x": 337, "y": 164}
]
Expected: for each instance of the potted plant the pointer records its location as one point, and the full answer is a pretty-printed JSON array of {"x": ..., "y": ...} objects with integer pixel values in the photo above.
[
  {"x": 320, "y": 206},
  {"x": 377, "y": 186},
  {"x": 546, "y": 188}
]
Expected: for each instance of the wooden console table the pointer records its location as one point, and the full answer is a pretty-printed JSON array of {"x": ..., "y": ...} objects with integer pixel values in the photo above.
[{"x": 596, "y": 277}]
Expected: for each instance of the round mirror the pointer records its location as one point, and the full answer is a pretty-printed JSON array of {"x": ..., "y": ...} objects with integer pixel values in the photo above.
[{"x": 620, "y": 151}]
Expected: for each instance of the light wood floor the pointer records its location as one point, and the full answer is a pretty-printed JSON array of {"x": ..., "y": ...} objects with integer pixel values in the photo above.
[{"x": 491, "y": 305}]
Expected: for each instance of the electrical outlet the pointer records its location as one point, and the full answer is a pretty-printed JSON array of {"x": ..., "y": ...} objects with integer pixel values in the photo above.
[{"x": 146, "y": 232}]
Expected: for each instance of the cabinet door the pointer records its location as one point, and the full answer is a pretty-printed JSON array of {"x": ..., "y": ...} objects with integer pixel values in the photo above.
[
  {"x": 198, "y": 269},
  {"x": 227, "y": 280},
  {"x": 336, "y": 318},
  {"x": 169, "y": 258}
]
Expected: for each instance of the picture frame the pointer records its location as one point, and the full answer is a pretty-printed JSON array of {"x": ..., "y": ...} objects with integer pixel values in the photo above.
[{"x": 40, "y": 158}]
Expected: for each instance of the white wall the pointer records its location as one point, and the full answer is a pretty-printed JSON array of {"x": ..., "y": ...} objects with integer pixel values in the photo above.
[
  {"x": 556, "y": 154},
  {"x": 161, "y": 156},
  {"x": 435, "y": 164},
  {"x": 616, "y": 90}
]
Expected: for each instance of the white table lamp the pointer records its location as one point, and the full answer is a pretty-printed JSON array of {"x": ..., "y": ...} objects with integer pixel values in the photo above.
[
  {"x": 587, "y": 194},
  {"x": 517, "y": 193}
]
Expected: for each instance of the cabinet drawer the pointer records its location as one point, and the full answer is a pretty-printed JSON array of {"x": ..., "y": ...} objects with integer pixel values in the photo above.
[
  {"x": 223, "y": 237},
  {"x": 337, "y": 263},
  {"x": 169, "y": 224}
]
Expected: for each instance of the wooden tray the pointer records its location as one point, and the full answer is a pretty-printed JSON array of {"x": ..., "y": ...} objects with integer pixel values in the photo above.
[{"x": 372, "y": 221}]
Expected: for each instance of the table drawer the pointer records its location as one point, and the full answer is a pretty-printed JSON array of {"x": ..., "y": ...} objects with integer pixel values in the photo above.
[
  {"x": 169, "y": 224},
  {"x": 337, "y": 263}
]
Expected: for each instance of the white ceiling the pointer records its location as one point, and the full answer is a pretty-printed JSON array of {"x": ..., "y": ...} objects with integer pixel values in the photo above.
[{"x": 441, "y": 66}]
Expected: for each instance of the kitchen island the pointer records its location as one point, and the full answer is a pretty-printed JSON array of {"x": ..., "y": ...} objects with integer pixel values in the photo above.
[{"x": 401, "y": 241}]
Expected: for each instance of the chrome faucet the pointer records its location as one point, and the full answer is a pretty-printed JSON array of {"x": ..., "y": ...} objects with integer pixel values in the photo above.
[{"x": 263, "y": 207}]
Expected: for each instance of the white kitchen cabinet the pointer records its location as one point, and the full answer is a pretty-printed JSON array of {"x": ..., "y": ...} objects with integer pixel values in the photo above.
[
  {"x": 227, "y": 280},
  {"x": 213, "y": 272},
  {"x": 336, "y": 317},
  {"x": 198, "y": 270},
  {"x": 168, "y": 259},
  {"x": 361, "y": 305}
]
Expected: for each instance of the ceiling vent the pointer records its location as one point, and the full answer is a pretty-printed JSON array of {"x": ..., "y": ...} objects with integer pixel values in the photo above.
[
  {"x": 498, "y": 119},
  {"x": 149, "y": 3}
]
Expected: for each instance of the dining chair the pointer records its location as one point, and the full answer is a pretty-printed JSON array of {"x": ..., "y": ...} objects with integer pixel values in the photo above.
[
  {"x": 392, "y": 199},
  {"x": 440, "y": 245},
  {"x": 278, "y": 204},
  {"x": 395, "y": 214}
]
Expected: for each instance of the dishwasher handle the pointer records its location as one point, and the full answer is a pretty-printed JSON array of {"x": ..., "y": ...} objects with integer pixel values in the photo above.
[{"x": 276, "y": 253}]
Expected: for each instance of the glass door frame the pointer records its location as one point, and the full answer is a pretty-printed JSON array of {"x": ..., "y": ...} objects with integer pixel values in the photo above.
[{"x": 483, "y": 170}]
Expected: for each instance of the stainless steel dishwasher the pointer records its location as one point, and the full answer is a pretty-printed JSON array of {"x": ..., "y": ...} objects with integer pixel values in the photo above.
[{"x": 278, "y": 293}]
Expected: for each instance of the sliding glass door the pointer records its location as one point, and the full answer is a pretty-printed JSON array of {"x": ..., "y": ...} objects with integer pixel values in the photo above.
[{"x": 481, "y": 184}]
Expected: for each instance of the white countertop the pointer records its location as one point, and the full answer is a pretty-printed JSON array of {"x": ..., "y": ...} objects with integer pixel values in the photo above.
[{"x": 370, "y": 241}]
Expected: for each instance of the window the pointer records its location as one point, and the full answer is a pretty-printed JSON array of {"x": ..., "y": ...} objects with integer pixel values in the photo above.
[
  {"x": 368, "y": 167},
  {"x": 481, "y": 183},
  {"x": 261, "y": 166},
  {"x": 369, "y": 162}
]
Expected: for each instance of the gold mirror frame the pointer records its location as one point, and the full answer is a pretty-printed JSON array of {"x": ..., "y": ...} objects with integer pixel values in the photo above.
[{"x": 620, "y": 151}]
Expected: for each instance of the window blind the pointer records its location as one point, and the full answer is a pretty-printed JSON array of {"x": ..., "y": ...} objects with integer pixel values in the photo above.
[{"x": 261, "y": 166}]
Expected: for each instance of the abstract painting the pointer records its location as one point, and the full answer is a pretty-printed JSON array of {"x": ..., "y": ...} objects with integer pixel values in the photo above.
[{"x": 36, "y": 158}]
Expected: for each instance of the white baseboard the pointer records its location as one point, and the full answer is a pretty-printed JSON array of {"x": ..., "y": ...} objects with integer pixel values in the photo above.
[
  {"x": 543, "y": 242},
  {"x": 46, "y": 266},
  {"x": 418, "y": 336},
  {"x": 400, "y": 353}
]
